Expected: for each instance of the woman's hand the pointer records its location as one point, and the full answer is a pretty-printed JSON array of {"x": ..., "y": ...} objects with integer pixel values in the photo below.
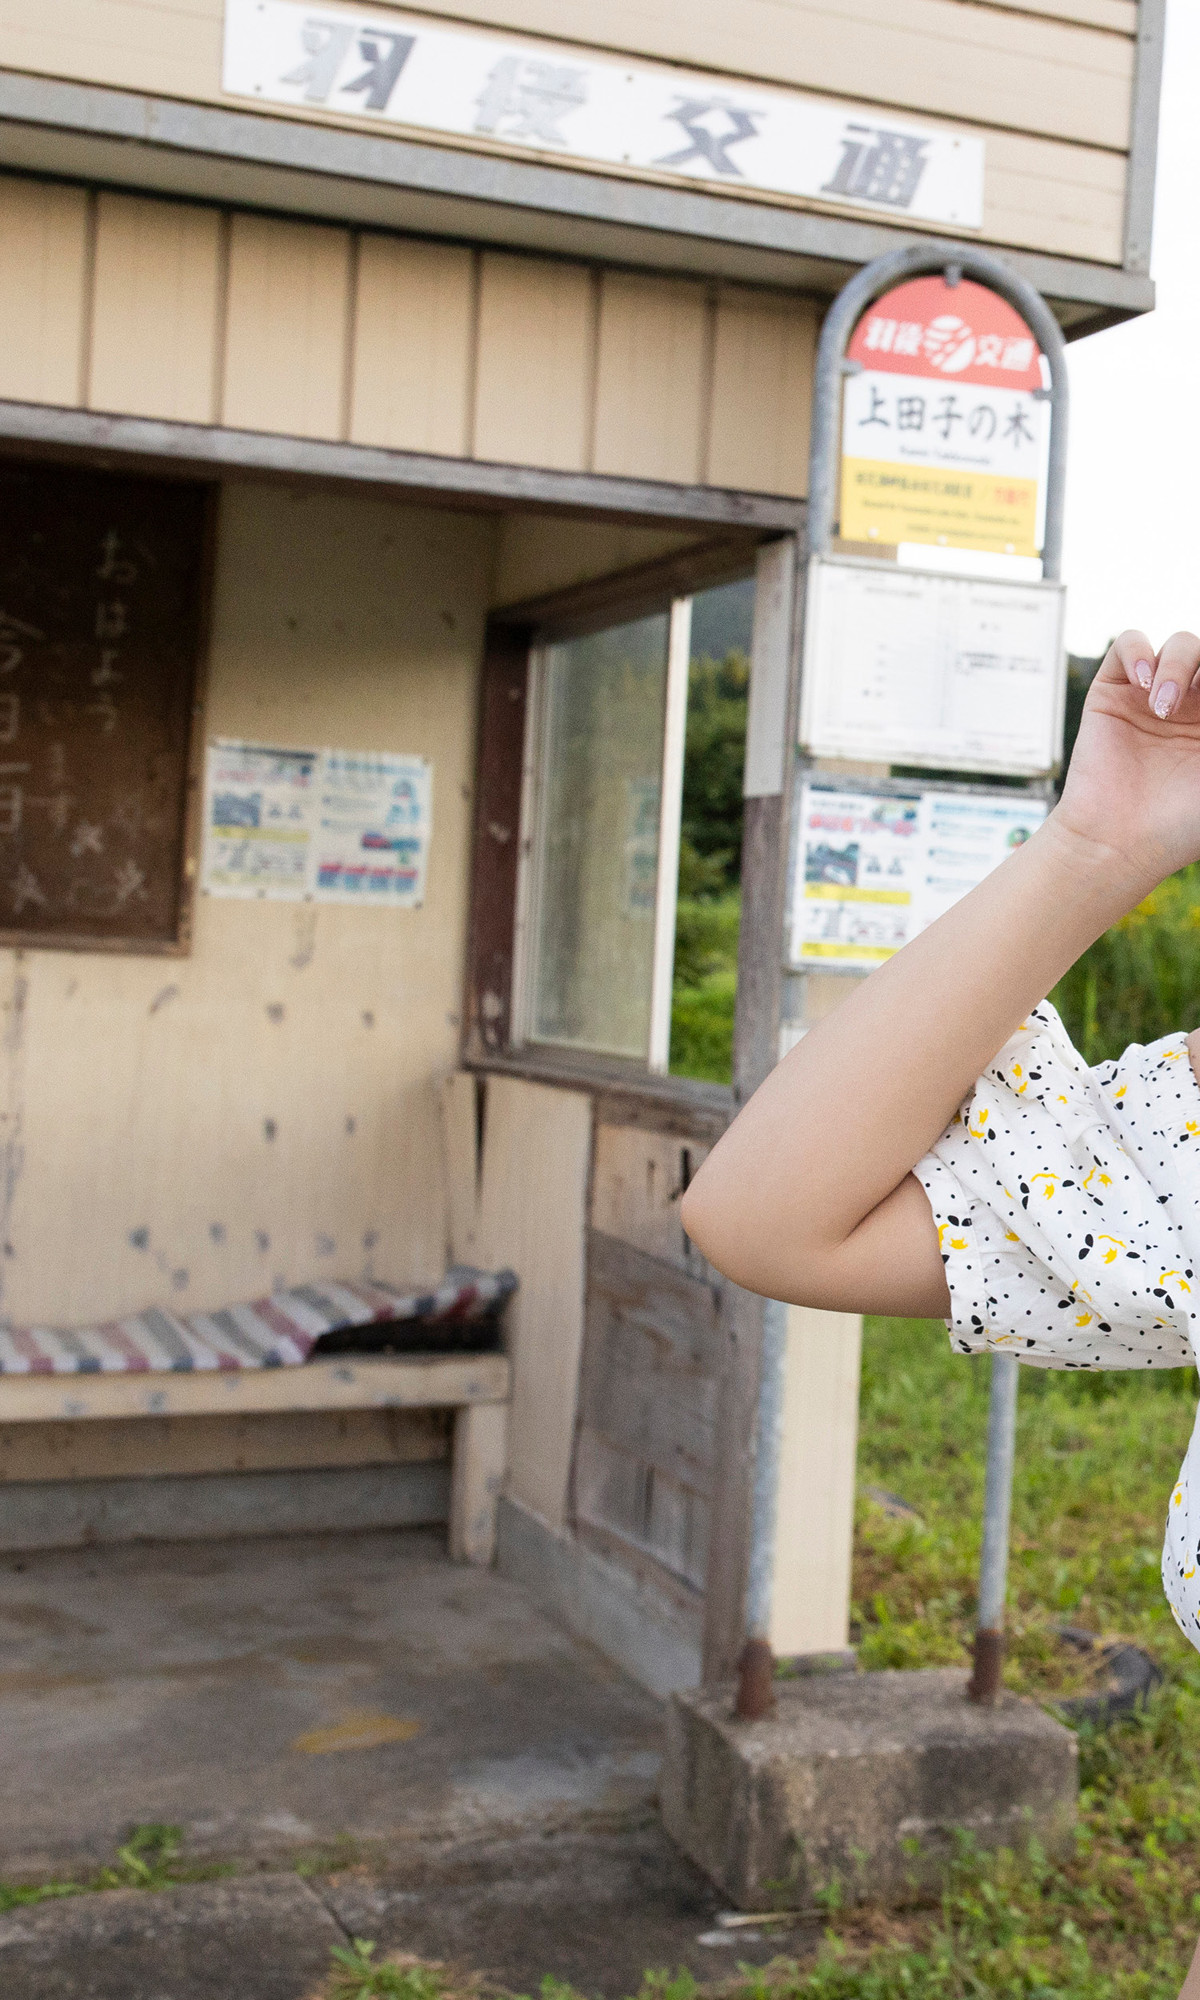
[{"x": 1133, "y": 786}]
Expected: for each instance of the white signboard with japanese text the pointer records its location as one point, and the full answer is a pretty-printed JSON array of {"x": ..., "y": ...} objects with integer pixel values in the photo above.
[
  {"x": 560, "y": 101},
  {"x": 345, "y": 826},
  {"x": 945, "y": 422},
  {"x": 875, "y": 868},
  {"x": 958, "y": 673}
]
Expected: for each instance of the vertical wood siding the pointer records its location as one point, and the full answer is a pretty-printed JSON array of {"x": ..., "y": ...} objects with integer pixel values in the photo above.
[
  {"x": 44, "y": 257},
  {"x": 653, "y": 377},
  {"x": 534, "y": 386},
  {"x": 156, "y": 301},
  {"x": 413, "y": 346},
  {"x": 166, "y": 309},
  {"x": 287, "y": 325}
]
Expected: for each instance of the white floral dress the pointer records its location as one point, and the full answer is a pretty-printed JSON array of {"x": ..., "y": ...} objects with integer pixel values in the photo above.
[{"x": 1067, "y": 1204}]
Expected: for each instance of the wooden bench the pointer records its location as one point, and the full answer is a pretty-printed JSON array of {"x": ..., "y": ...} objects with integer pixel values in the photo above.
[{"x": 475, "y": 1386}]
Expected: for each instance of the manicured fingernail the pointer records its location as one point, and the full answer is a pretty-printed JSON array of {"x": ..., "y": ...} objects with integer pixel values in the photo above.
[
  {"x": 1144, "y": 672},
  {"x": 1165, "y": 700}
]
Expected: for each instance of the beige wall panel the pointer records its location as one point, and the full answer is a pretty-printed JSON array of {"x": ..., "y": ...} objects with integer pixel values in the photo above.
[
  {"x": 1032, "y": 67},
  {"x": 168, "y": 45},
  {"x": 1118, "y": 16},
  {"x": 762, "y": 392},
  {"x": 286, "y": 328},
  {"x": 1065, "y": 199},
  {"x": 529, "y": 1212},
  {"x": 142, "y": 1447},
  {"x": 534, "y": 371},
  {"x": 992, "y": 64},
  {"x": 651, "y": 372},
  {"x": 539, "y": 553},
  {"x": 265, "y": 1111},
  {"x": 43, "y": 264},
  {"x": 814, "y": 1531},
  {"x": 154, "y": 313},
  {"x": 413, "y": 345}
]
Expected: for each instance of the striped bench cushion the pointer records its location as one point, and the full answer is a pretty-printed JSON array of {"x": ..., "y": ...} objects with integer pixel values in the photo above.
[{"x": 277, "y": 1332}]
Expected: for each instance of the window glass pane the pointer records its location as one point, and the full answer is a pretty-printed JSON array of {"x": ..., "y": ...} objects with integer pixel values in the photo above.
[
  {"x": 710, "y": 848},
  {"x": 597, "y": 865}
]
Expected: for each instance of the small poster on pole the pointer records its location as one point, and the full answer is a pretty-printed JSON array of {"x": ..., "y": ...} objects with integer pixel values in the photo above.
[{"x": 875, "y": 868}]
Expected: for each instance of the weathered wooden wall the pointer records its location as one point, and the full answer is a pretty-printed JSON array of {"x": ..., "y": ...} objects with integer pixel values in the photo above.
[
  {"x": 1049, "y": 82},
  {"x": 154, "y": 308}
]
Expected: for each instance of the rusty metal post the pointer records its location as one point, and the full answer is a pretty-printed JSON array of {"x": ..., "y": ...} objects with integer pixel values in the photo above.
[{"x": 984, "y": 1685}]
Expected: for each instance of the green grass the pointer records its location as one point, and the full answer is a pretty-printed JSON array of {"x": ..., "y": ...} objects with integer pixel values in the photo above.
[{"x": 149, "y": 1859}]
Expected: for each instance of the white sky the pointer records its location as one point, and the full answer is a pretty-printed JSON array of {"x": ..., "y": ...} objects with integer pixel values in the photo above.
[{"x": 1132, "y": 554}]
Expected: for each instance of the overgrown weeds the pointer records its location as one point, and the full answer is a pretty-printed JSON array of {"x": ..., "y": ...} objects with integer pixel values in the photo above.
[{"x": 149, "y": 1859}]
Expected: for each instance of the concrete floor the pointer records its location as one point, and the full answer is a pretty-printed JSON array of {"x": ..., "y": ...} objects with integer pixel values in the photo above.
[{"x": 468, "y": 1781}]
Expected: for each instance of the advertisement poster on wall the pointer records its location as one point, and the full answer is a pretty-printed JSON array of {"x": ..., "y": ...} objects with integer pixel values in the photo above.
[{"x": 334, "y": 826}]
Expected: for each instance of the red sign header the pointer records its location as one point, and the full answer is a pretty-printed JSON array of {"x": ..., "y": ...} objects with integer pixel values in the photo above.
[{"x": 956, "y": 333}]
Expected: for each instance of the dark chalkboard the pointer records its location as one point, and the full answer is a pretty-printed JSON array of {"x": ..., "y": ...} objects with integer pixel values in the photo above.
[{"x": 103, "y": 587}]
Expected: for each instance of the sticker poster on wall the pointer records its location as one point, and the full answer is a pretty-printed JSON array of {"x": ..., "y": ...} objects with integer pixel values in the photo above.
[
  {"x": 875, "y": 868},
  {"x": 335, "y": 826},
  {"x": 945, "y": 423}
]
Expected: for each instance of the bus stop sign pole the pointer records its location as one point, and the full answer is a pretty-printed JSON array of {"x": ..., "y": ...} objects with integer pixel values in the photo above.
[{"x": 955, "y": 261}]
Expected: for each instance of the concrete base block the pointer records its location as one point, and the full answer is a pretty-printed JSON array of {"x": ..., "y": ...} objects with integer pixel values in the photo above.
[{"x": 848, "y": 1773}]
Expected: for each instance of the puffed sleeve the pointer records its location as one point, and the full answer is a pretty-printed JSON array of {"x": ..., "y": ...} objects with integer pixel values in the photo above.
[{"x": 1067, "y": 1200}]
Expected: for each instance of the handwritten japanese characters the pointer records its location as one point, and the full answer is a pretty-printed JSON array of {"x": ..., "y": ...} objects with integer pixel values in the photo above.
[
  {"x": 101, "y": 581},
  {"x": 637, "y": 116}
]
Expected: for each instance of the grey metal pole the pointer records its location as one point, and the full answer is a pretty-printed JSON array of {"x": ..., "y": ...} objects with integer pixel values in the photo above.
[{"x": 984, "y": 1685}]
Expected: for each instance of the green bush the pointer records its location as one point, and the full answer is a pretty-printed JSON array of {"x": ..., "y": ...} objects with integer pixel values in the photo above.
[
  {"x": 1142, "y": 978},
  {"x": 706, "y": 935}
]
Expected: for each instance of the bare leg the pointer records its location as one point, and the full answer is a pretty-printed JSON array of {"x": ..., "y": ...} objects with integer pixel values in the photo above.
[{"x": 1190, "y": 1990}]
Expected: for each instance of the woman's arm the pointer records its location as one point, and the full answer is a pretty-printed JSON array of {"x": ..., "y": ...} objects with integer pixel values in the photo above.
[{"x": 809, "y": 1196}]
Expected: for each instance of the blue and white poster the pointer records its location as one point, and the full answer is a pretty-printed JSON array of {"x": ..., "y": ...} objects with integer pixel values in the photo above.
[{"x": 332, "y": 826}]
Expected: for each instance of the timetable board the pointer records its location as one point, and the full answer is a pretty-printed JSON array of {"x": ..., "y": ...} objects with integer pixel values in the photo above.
[{"x": 945, "y": 672}]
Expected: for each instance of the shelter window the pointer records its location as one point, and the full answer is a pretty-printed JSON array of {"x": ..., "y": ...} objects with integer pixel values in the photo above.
[{"x": 633, "y": 751}]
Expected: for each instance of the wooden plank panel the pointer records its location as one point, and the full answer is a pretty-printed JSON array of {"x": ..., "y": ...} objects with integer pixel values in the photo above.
[
  {"x": 810, "y": 1594},
  {"x": 994, "y": 65},
  {"x": 154, "y": 312},
  {"x": 530, "y": 1214},
  {"x": 651, "y": 371},
  {"x": 413, "y": 345},
  {"x": 1061, "y": 199},
  {"x": 350, "y": 1382},
  {"x": 762, "y": 391},
  {"x": 288, "y": 312},
  {"x": 638, "y": 1180},
  {"x": 169, "y": 45},
  {"x": 1119, "y": 17},
  {"x": 534, "y": 368},
  {"x": 640, "y": 1508},
  {"x": 148, "y": 1447},
  {"x": 1040, "y": 65},
  {"x": 43, "y": 259},
  {"x": 648, "y": 1400}
]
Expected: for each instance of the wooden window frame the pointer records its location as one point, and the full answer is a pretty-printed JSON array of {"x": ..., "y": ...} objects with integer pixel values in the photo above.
[{"x": 505, "y": 812}]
